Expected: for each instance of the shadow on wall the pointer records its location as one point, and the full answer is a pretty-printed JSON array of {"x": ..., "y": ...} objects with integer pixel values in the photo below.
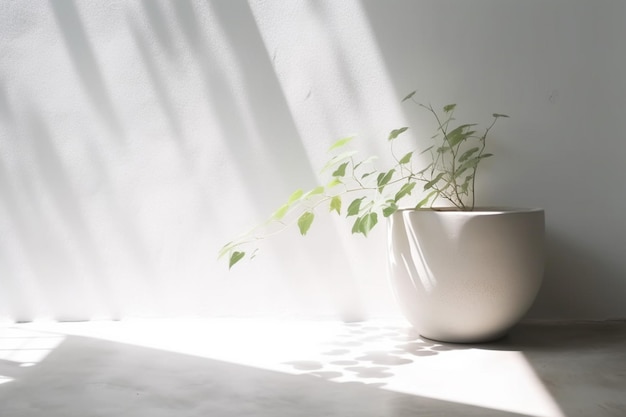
[
  {"x": 87, "y": 66},
  {"x": 267, "y": 114},
  {"x": 6, "y": 114},
  {"x": 577, "y": 283},
  {"x": 130, "y": 380},
  {"x": 43, "y": 206},
  {"x": 241, "y": 118},
  {"x": 544, "y": 163},
  {"x": 68, "y": 260}
]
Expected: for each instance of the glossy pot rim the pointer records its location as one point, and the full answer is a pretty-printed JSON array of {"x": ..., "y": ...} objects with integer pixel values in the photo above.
[{"x": 483, "y": 210}]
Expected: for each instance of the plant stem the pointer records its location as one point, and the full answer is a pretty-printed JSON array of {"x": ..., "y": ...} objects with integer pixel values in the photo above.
[
  {"x": 452, "y": 172},
  {"x": 483, "y": 140}
]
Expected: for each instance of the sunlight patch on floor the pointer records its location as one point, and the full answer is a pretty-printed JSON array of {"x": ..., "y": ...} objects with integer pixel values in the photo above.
[
  {"x": 502, "y": 380},
  {"x": 26, "y": 347},
  {"x": 383, "y": 354},
  {"x": 5, "y": 379}
]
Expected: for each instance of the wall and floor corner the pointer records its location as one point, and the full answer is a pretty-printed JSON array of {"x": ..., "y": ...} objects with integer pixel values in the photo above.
[{"x": 137, "y": 137}]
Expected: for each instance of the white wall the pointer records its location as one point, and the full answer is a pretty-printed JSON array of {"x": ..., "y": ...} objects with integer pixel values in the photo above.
[{"x": 136, "y": 137}]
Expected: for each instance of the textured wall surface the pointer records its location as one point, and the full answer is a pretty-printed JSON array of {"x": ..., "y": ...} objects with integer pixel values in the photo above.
[{"x": 136, "y": 137}]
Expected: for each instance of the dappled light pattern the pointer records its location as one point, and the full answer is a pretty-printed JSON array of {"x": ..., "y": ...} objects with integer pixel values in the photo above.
[
  {"x": 87, "y": 376},
  {"x": 363, "y": 353},
  {"x": 538, "y": 370}
]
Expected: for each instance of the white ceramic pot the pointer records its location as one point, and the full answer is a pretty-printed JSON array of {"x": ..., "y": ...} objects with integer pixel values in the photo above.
[{"x": 466, "y": 276}]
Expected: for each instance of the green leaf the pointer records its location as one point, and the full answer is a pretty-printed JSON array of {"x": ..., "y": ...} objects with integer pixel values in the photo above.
[
  {"x": 335, "y": 204},
  {"x": 496, "y": 115},
  {"x": 467, "y": 165},
  {"x": 448, "y": 108},
  {"x": 404, "y": 191},
  {"x": 409, "y": 96},
  {"x": 434, "y": 181},
  {"x": 443, "y": 149},
  {"x": 406, "y": 158},
  {"x": 315, "y": 191},
  {"x": 423, "y": 202},
  {"x": 339, "y": 143},
  {"x": 280, "y": 213},
  {"x": 459, "y": 134},
  {"x": 333, "y": 183},
  {"x": 471, "y": 163},
  {"x": 466, "y": 184},
  {"x": 427, "y": 149},
  {"x": 390, "y": 209},
  {"x": 356, "y": 227},
  {"x": 354, "y": 207},
  {"x": 467, "y": 154},
  {"x": 368, "y": 222},
  {"x": 460, "y": 128},
  {"x": 341, "y": 171},
  {"x": 305, "y": 221},
  {"x": 365, "y": 162},
  {"x": 396, "y": 132},
  {"x": 225, "y": 249},
  {"x": 384, "y": 178},
  {"x": 235, "y": 257},
  {"x": 295, "y": 196},
  {"x": 463, "y": 136},
  {"x": 367, "y": 174},
  {"x": 337, "y": 159}
]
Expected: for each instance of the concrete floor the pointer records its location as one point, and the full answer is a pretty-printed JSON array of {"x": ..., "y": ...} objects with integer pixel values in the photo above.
[{"x": 306, "y": 368}]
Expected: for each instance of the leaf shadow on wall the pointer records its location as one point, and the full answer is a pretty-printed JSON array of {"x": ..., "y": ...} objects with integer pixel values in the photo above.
[
  {"x": 264, "y": 95},
  {"x": 86, "y": 63},
  {"x": 68, "y": 206},
  {"x": 6, "y": 114},
  {"x": 259, "y": 132},
  {"x": 158, "y": 22},
  {"x": 158, "y": 84},
  {"x": 262, "y": 91},
  {"x": 68, "y": 276},
  {"x": 346, "y": 62},
  {"x": 288, "y": 153}
]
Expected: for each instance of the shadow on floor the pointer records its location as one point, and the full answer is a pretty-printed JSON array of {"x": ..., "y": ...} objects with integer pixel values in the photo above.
[
  {"x": 87, "y": 377},
  {"x": 371, "y": 353},
  {"x": 581, "y": 364}
]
